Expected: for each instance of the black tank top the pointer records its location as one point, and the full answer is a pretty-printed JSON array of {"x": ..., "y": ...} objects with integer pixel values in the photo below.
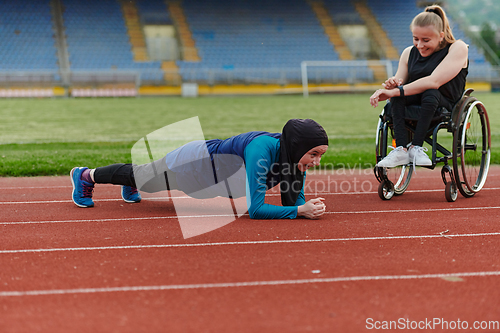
[{"x": 419, "y": 67}]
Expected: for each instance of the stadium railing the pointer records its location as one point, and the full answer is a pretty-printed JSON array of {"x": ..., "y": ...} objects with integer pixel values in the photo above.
[{"x": 319, "y": 74}]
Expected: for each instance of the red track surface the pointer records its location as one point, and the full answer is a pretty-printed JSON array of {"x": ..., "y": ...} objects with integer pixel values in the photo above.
[{"x": 122, "y": 267}]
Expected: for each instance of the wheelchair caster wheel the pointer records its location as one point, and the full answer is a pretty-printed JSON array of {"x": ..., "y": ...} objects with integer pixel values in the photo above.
[
  {"x": 451, "y": 192},
  {"x": 386, "y": 190}
]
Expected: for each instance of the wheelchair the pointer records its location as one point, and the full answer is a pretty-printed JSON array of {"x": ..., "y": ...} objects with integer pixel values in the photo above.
[{"x": 470, "y": 152}]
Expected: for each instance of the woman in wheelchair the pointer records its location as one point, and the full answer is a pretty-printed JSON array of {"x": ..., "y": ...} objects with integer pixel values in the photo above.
[{"x": 432, "y": 74}]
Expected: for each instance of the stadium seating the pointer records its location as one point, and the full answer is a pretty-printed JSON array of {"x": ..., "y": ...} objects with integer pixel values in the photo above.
[
  {"x": 26, "y": 36},
  {"x": 153, "y": 12},
  {"x": 237, "y": 41},
  {"x": 273, "y": 34},
  {"x": 97, "y": 38},
  {"x": 343, "y": 12}
]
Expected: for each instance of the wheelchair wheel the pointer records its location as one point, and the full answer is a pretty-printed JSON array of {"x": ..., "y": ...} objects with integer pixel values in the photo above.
[
  {"x": 401, "y": 176},
  {"x": 451, "y": 192},
  {"x": 471, "y": 147},
  {"x": 386, "y": 190},
  {"x": 398, "y": 176}
]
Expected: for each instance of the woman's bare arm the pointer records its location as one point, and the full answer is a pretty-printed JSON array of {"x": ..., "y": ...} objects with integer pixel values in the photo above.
[{"x": 451, "y": 65}]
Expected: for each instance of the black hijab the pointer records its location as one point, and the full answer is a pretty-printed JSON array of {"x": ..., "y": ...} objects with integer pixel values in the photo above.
[{"x": 297, "y": 138}]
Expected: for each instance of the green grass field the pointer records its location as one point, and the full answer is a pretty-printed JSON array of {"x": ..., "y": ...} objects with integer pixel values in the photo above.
[{"x": 51, "y": 136}]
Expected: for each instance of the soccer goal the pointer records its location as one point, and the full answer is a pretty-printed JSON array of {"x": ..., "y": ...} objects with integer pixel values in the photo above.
[
  {"x": 113, "y": 83},
  {"x": 344, "y": 71}
]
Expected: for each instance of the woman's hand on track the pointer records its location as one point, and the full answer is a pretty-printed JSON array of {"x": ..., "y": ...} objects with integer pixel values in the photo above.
[{"x": 312, "y": 209}]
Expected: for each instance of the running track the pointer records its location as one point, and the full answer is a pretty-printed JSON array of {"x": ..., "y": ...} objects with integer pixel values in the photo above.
[{"x": 122, "y": 267}]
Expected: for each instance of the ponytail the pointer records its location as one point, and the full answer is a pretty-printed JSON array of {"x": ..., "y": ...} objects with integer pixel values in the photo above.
[{"x": 435, "y": 15}]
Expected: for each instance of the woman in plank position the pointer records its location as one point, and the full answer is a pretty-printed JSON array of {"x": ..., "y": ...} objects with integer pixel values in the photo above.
[
  {"x": 203, "y": 169},
  {"x": 432, "y": 74}
]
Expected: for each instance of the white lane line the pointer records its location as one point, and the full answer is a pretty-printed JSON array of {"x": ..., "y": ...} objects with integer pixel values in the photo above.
[
  {"x": 414, "y": 210},
  {"x": 33, "y": 187},
  {"x": 118, "y": 219},
  {"x": 427, "y": 210},
  {"x": 71, "y": 201},
  {"x": 187, "y": 197},
  {"x": 46, "y": 201},
  {"x": 245, "y": 284},
  {"x": 282, "y": 241}
]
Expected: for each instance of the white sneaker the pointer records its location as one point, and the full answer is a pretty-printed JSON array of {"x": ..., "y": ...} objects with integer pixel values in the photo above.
[
  {"x": 418, "y": 156},
  {"x": 395, "y": 158}
]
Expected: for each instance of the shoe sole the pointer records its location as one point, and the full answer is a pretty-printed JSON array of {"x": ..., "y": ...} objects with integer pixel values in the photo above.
[
  {"x": 129, "y": 201},
  {"x": 392, "y": 166},
  {"x": 427, "y": 163},
  {"x": 74, "y": 187}
]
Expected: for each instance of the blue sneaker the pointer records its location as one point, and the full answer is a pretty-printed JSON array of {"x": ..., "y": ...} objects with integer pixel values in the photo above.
[
  {"x": 82, "y": 190},
  {"x": 131, "y": 194}
]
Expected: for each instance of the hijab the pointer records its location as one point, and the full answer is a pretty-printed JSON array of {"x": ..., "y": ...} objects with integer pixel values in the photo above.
[{"x": 297, "y": 138}]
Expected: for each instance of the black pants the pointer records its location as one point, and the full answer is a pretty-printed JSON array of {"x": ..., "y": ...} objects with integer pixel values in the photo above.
[
  {"x": 152, "y": 177},
  {"x": 429, "y": 101}
]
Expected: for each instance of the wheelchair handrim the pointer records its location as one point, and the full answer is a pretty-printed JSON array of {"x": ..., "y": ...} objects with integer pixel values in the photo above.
[{"x": 475, "y": 183}]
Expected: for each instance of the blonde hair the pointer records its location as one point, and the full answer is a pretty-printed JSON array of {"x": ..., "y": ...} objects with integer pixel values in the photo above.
[{"x": 434, "y": 15}]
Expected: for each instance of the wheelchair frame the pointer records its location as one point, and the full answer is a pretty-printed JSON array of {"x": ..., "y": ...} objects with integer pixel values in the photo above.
[{"x": 470, "y": 153}]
